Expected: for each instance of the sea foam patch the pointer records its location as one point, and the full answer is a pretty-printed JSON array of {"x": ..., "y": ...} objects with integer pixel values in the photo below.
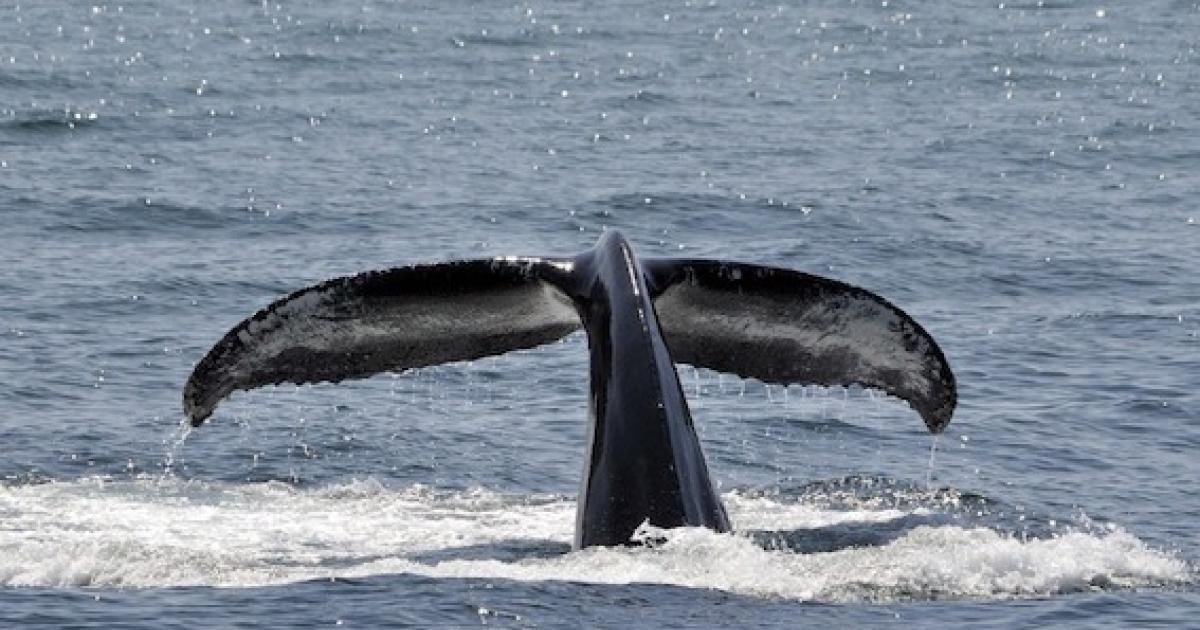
[{"x": 166, "y": 532}]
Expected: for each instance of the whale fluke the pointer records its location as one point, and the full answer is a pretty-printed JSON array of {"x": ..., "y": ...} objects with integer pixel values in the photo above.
[
  {"x": 379, "y": 321},
  {"x": 644, "y": 461},
  {"x": 783, "y": 326}
]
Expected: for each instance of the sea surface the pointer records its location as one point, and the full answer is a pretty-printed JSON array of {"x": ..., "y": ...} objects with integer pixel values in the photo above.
[{"x": 1020, "y": 177}]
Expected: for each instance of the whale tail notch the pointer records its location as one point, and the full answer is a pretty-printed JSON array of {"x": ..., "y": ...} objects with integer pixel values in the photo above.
[{"x": 776, "y": 325}]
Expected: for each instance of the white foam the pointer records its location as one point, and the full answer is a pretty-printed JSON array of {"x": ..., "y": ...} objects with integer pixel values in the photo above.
[{"x": 153, "y": 533}]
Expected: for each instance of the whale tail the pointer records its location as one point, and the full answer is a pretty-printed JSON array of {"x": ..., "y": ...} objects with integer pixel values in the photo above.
[
  {"x": 644, "y": 459},
  {"x": 772, "y": 324}
]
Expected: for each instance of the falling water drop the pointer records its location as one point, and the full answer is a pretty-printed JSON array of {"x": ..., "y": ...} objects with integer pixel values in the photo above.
[
  {"x": 175, "y": 446},
  {"x": 929, "y": 470}
]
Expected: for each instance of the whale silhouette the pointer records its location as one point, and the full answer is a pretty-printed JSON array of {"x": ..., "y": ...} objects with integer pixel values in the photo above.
[{"x": 644, "y": 461}]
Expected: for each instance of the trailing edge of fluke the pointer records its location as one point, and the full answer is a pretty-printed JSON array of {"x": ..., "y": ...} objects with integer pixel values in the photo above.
[{"x": 645, "y": 463}]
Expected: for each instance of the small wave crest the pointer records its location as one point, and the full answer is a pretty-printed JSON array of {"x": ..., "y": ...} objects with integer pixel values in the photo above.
[
  {"x": 48, "y": 119},
  {"x": 169, "y": 532},
  {"x": 143, "y": 215}
]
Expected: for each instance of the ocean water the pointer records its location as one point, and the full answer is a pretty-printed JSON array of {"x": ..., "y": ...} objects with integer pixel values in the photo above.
[{"x": 1020, "y": 177}]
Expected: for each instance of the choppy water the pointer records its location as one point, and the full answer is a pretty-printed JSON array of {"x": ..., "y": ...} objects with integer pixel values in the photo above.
[{"x": 1020, "y": 177}]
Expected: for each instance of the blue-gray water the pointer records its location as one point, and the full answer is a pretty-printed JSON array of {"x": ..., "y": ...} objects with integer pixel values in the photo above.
[{"x": 1020, "y": 177}]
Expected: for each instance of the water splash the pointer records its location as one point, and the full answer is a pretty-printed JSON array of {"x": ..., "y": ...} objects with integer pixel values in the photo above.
[{"x": 168, "y": 532}]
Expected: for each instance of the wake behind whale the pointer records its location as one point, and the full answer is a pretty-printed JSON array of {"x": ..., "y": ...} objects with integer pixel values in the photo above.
[{"x": 644, "y": 461}]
